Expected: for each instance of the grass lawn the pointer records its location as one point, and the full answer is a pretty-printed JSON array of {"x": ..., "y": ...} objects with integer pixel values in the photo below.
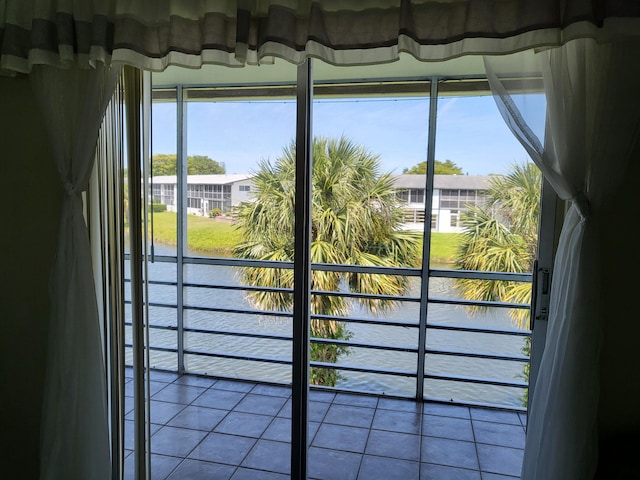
[
  {"x": 216, "y": 236},
  {"x": 443, "y": 246},
  {"x": 205, "y": 235}
]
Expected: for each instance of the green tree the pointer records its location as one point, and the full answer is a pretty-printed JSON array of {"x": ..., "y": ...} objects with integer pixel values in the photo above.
[
  {"x": 440, "y": 168},
  {"x": 165, "y": 164},
  {"x": 355, "y": 220},
  {"x": 502, "y": 236},
  {"x": 203, "y": 165}
]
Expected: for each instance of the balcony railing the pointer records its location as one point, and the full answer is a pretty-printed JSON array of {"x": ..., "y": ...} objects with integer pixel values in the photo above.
[{"x": 428, "y": 348}]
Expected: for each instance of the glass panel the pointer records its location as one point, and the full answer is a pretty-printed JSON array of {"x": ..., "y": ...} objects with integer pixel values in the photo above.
[
  {"x": 486, "y": 185},
  {"x": 164, "y": 200},
  {"x": 162, "y": 311},
  {"x": 229, "y": 330},
  {"x": 487, "y": 206},
  {"x": 446, "y": 334},
  {"x": 364, "y": 136},
  {"x": 232, "y": 135}
]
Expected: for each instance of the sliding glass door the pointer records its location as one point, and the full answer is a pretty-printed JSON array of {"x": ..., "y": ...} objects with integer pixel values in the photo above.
[{"x": 312, "y": 258}]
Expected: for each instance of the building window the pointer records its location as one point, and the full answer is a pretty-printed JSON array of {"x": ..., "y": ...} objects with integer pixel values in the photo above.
[
  {"x": 417, "y": 195},
  {"x": 168, "y": 197},
  {"x": 460, "y": 199},
  {"x": 194, "y": 202},
  {"x": 195, "y": 190},
  {"x": 455, "y": 218},
  {"x": 403, "y": 195},
  {"x": 245, "y": 188},
  {"x": 449, "y": 198}
]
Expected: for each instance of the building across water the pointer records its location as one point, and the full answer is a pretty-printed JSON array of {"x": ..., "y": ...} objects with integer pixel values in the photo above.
[{"x": 452, "y": 195}]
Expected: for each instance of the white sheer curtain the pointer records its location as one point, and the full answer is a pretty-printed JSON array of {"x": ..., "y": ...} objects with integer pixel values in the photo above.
[
  {"x": 74, "y": 429},
  {"x": 593, "y": 124}
]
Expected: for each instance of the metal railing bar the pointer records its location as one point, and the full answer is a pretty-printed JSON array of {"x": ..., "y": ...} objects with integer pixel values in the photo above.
[
  {"x": 375, "y": 346},
  {"x": 252, "y": 358},
  {"x": 346, "y": 343},
  {"x": 233, "y": 356},
  {"x": 242, "y": 262},
  {"x": 468, "y": 328},
  {"x": 353, "y": 368},
  {"x": 265, "y": 336},
  {"x": 456, "y": 328},
  {"x": 157, "y": 258},
  {"x": 158, "y": 327},
  {"x": 237, "y": 262},
  {"x": 366, "y": 296},
  {"x": 399, "y": 271},
  {"x": 398, "y": 348},
  {"x": 218, "y": 354},
  {"x": 435, "y": 326},
  {"x": 479, "y": 380},
  {"x": 267, "y": 313},
  {"x": 155, "y": 304},
  {"x": 345, "y": 367},
  {"x": 362, "y": 320},
  {"x": 406, "y": 271},
  {"x": 369, "y": 321},
  {"x": 475, "y": 275},
  {"x": 240, "y": 287},
  {"x": 487, "y": 356},
  {"x": 157, "y": 348},
  {"x": 313, "y": 292},
  {"x": 167, "y": 283},
  {"x": 478, "y": 303}
]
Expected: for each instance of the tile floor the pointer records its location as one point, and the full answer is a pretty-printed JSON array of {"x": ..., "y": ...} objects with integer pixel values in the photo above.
[{"x": 203, "y": 428}]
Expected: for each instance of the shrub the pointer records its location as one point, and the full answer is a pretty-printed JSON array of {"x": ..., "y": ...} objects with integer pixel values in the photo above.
[{"x": 158, "y": 207}]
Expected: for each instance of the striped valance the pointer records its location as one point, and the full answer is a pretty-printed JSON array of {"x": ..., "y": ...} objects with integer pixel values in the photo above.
[{"x": 153, "y": 34}]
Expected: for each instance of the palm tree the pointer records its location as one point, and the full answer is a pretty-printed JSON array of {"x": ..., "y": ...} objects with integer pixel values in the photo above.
[
  {"x": 502, "y": 235},
  {"x": 355, "y": 221}
]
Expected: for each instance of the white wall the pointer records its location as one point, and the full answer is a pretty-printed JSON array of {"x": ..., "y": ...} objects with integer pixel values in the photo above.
[
  {"x": 237, "y": 196},
  {"x": 31, "y": 199},
  {"x": 619, "y": 413}
]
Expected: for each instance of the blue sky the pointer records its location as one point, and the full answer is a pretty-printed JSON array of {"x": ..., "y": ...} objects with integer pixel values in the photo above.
[{"x": 470, "y": 131}]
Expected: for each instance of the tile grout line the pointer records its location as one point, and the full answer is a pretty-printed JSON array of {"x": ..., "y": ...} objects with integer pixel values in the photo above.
[
  {"x": 334, "y": 401},
  {"x": 206, "y": 389}
]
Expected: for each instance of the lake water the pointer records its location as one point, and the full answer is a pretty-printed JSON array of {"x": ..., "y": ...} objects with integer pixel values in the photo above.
[{"x": 198, "y": 298}]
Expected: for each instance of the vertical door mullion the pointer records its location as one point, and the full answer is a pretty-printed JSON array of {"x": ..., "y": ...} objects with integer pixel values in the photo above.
[
  {"x": 426, "y": 250},
  {"x": 133, "y": 103},
  {"x": 541, "y": 287},
  {"x": 146, "y": 174},
  {"x": 181, "y": 185},
  {"x": 301, "y": 274}
]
